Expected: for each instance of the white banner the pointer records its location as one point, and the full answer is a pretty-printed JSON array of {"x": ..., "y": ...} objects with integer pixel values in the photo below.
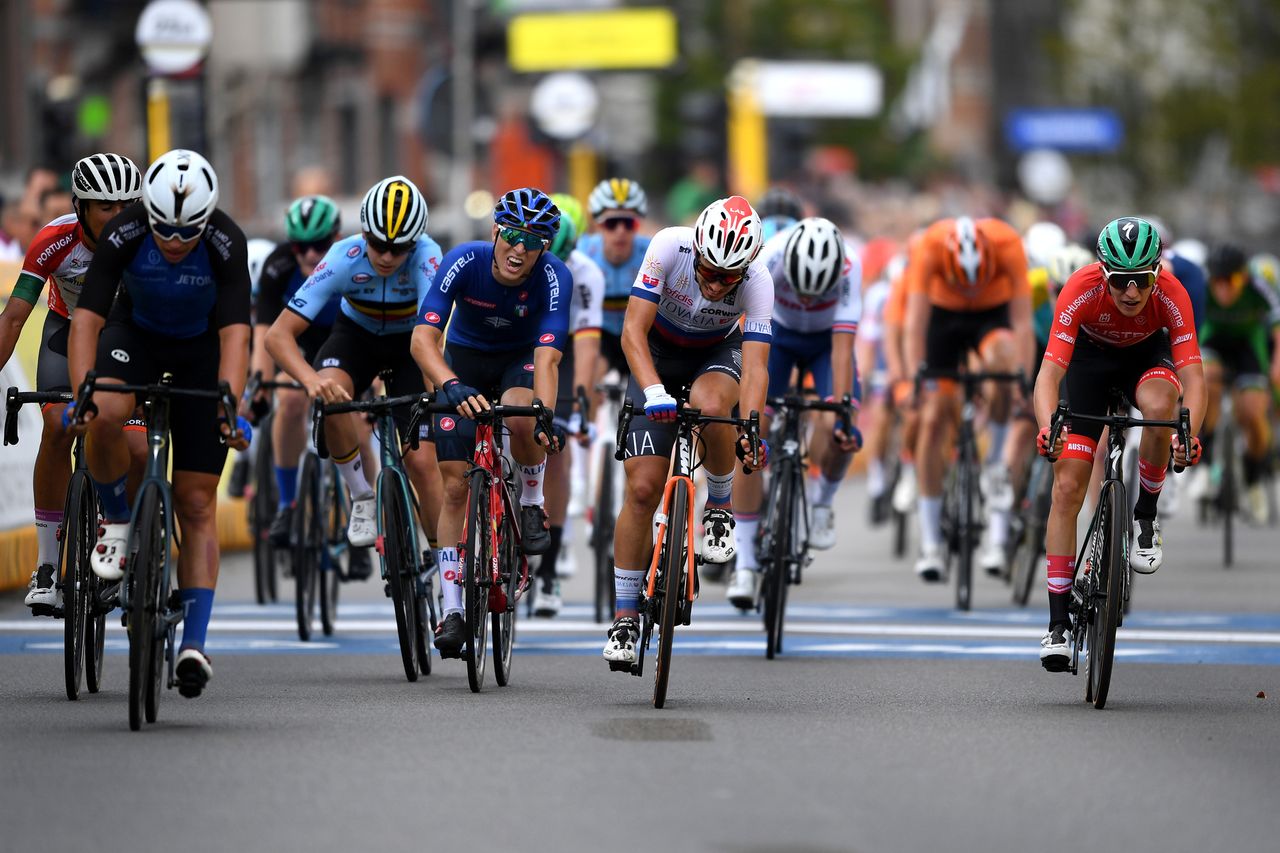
[{"x": 18, "y": 461}]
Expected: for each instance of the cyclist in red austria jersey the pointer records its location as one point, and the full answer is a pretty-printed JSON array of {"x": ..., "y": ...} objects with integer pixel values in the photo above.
[{"x": 1124, "y": 323}]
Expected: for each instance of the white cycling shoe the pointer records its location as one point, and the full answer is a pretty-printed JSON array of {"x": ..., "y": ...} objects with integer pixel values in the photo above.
[
  {"x": 904, "y": 493},
  {"x": 193, "y": 671},
  {"x": 742, "y": 590},
  {"x": 1055, "y": 649},
  {"x": 930, "y": 567},
  {"x": 1146, "y": 551},
  {"x": 566, "y": 562},
  {"x": 107, "y": 560},
  {"x": 362, "y": 527},
  {"x": 822, "y": 528},
  {"x": 546, "y": 605},
  {"x": 620, "y": 648},
  {"x": 43, "y": 596},
  {"x": 717, "y": 540},
  {"x": 991, "y": 558}
]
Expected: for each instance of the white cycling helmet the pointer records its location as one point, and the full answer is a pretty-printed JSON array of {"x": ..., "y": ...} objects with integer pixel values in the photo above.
[
  {"x": 1193, "y": 250},
  {"x": 180, "y": 190},
  {"x": 813, "y": 256},
  {"x": 1042, "y": 241},
  {"x": 394, "y": 211},
  {"x": 258, "y": 249},
  {"x": 617, "y": 194},
  {"x": 1064, "y": 262},
  {"x": 728, "y": 234},
  {"x": 106, "y": 177}
]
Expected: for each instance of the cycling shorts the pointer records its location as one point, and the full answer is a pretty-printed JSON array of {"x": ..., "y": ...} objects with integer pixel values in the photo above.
[
  {"x": 311, "y": 339},
  {"x": 52, "y": 372},
  {"x": 1244, "y": 366},
  {"x": 810, "y": 352},
  {"x": 362, "y": 355},
  {"x": 1096, "y": 369},
  {"x": 953, "y": 334},
  {"x": 490, "y": 373},
  {"x": 677, "y": 368},
  {"x": 611, "y": 351},
  {"x": 136, "y": 356}
]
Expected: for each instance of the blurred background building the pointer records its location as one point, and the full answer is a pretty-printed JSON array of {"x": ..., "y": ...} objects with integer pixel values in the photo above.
[{"x": 1073, "y": 109}]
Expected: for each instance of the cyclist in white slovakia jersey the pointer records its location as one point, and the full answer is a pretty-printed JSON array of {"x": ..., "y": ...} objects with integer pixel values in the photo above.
[{"x": 682, "y": 329}]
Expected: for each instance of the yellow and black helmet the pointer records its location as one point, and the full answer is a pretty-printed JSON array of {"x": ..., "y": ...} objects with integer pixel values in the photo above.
[
  {"x": 393, "y": 211},
  {"x": 617, "y": 194}
]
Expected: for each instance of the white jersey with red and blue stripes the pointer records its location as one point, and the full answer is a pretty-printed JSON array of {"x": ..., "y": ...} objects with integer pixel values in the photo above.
[
  {"x": 686, "y": 318},
  {"x": 839, "y": 310}
]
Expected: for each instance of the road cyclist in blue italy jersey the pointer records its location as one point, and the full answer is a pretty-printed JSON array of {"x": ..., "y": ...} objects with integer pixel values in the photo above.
[
  {"x": 506, "y": 306},
  {"x": 381, "y": 274}
]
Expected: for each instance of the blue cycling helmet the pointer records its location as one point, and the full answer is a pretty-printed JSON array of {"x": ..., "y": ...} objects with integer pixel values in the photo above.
[{"x": 530, "y": 210}]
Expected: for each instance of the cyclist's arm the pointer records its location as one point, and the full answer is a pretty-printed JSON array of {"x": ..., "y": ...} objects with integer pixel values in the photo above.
[
  {"x": 14, "y": 317},
  {"x": 82, "y": 343},
  {"x": 546, "y": 374},
  {"x": 1194, "y": 393},
  {"x": 269, "y": 308},
  {"x": 233, "y": 358},
  {"x": 281, "y": 344},
  {"x": 116, "y": 248},
  {"x": 229, "y": 263},
  {"x": 1020, "y": 319},
  {"x": 917, "y": 323},
  {"x": 842, "y": 363},
  {"x": 755, "y": 377},
  {"x": 635, "y": 341},
  {"x": 1048, "y": 382},
  {"x": 425, "y": 347}
]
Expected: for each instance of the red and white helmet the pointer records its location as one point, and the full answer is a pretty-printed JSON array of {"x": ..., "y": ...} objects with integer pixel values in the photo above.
[{"x": 728, "y": 234}]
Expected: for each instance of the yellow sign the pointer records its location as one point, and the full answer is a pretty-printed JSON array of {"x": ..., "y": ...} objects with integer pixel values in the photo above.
[{"x": 620, "y": 38}]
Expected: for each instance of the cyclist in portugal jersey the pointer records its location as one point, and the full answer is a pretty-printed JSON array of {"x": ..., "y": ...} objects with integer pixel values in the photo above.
[
  {"x": 1126, "y": 324},
  {"x": 509, "y": 305},
  {"x": 182, "y": 308},
  {"x": 700, "y": 315},
  {"x": 102, "y": 185}
]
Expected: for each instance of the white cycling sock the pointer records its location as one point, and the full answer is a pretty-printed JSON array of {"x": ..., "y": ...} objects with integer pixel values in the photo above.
[
  {"x": 999, "y": 522},
  {"x": 995, "y": 449},
  {"x": 352, "y": 470},
  {"x": 744, "y": 536},
  {"x": 47, "y": 523},
  {"x": 822, "y": 491},
  {"x": 875, "y": 478},
  {"x": 930, "y": 521},
  {"x": 531, "y": 475},
  {"x": 719, "y": 488},
  {"x": 451, "y": 580}
]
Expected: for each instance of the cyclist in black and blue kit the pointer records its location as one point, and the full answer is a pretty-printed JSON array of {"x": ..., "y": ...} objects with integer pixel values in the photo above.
[
  {"x": 381, "y": 276},
  {"x": 183, "y": 309},
  {"x": 509, "y": 304}
]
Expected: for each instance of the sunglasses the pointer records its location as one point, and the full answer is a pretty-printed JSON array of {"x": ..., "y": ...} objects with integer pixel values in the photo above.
[
  {"x": 613, "y": 223},
  {"x": 181, "y": 233},
  {"x": 388, "y": 248},
  {"x": 515, "y": 237},
  {"x": 320, "y": 247},
  {"x": 711, "y": 275},
  {"x": 1122, "y": 279}
]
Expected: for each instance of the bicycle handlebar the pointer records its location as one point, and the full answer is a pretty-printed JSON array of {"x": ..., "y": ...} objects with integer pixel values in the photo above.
[
  {"x": 810, "y": 402},
  {"x": 223, "y": 396},
  {"x": 15, "y": 400},
  {"x": 969, "y": 379},
  {"x": 1063, "y": 414},
  {"x": 258, "y": 408},
  {"x": 689, "y": 416}
]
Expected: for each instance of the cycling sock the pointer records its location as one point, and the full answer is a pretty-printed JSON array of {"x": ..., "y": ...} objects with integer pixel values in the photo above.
[
  {"x": 451, "y": 586},
  {"x": 822, "y": 491},
  {"x": 875, "y": 478},
  {"x": 930, "y": 521},
  {"x": 719, "y": 489},
  {"x": 1151, "y": 477},
  {"x": 626, "y": 588},
  {"x": 1254, "y": 470},
  {"x": 1060, "y": 571},
  {"x": 999, "y": 525},
  {"x": 996, "y": 434},
  {"x": 287, "y": 485},
  {"x": 114, "y": 500},
  {"x": 197, "y": 606},
  {"x": 48, "y": 521},
  {"x": 744, "y": 537},
  {"x": 1060, "y": 609},
  {"x": 532, "y": 477},
  {"x": 352, "y": 470},
  {"x": 547, "y": 566}
]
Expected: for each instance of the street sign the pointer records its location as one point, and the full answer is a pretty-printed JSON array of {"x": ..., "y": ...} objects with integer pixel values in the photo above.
[
  {"x": 564, "y": 104},
  {"x": 1064, "y": 129},
  {"x": 622, "y": 38},
  {"x": 173, "y": 35},
  {"x": 819, "y": 89}
]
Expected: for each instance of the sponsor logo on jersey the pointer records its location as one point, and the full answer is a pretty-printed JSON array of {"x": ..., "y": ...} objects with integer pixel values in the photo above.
[
  {"x": 153, "y": 257},
  {"x": 718, "y": 312},
  {"x": 1181, "y": 339},
  {"x": 120, "y": 356},
  {"x": 683, "y": 298},
  {"x": 361, "y": 277},
  {"x": 452, "y": 273},
  {"x": 331, "y": 362},
  {"x": 523, "y": 295},
  {"x": 528, "y": 368},
  {"x": 53, "y": 248},
  {"x": 649, "y": 281},
  {"x": 1063, "y": 336},
  {"x": 1105, "y": 317},
  {"x": 1064, "y": 318},
  {"x": 522, "y": 310},
  {"x": 480, "y": 303},
  {"x": 1079, "y": 448},
  {"x": 446, "y": 423},
  {"x": 321, "y": 276},
  {"x": 353, "y": 252},
  {"x": 431, "y": 317},
  {"x": 497, "y": 322},
  {"x": 297, "y": 303},
  {"x": 321, "y": 266},
  {"x": 193, "y": 280},
  {"x": 1141, "y": 321},
  {"x": 548, "y": 338},
  {"x": 686, "y": 250}
]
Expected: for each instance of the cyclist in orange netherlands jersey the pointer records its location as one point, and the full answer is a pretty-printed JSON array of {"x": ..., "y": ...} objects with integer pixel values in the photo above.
[
  {"x": 1123, "y": 323},
  {"x": 967, "y": 291}
]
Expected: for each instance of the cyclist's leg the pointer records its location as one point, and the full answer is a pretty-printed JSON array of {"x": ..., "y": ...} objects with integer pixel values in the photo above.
[
  {"x": 124, "y": 357},
  {"x": 51, "y": 476},
  {"x": 947, "y": 342},
  {"x": 1215, "y": 384},
  {"x": 715, "y": 393},
  {"x": 454, "y": 442}
]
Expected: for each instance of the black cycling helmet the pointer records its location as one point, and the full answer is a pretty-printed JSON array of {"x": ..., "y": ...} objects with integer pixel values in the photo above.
[
  {"x": 1225, "y": 261},
  {"x": 780, "y": 201}
]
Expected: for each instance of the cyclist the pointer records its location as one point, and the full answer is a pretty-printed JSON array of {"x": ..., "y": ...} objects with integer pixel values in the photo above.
[
  {"x": 577, "y": 369},
  {"x": 871, "y": 352},
  {"x": 182, "y": 308},
  {"x": 967, "y": 290},
  {"x": 509, "y": 303},
  {"x": 380, "y": 274},
  {"x": 779, "y": 209},
  {"x": 102, "y": 185},
  {"x": 817, "y": 302},
  {"x": 1122, "y": 323},
  {"x": 700, "y": 315},
  {"x": 1242, "y": 319},
  {"x": 618, "y": 207}
]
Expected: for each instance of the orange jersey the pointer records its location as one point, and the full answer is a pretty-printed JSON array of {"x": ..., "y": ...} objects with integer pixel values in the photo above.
[{"x": 1002, "y": 277}]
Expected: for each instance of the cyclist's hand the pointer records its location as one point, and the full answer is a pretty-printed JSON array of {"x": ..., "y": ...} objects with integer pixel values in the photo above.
[
  {"x": 850, "y": 442},
  {"x": 327, "y": 389},
  {"x": 468, "y": 401},
  {"x": 751, "y": 464},
  {"x": 1051, "y": 450},
  {"x": 242, "y": 436},
  {"x": 904, "y": 395},
  {"x": 553, "y": 441},
  {"x": 584, "y": 434},
  {"x": 1186, "y": 456},
  {"x": 659, "y": 406},
  {"x": 76, "y": 423}
]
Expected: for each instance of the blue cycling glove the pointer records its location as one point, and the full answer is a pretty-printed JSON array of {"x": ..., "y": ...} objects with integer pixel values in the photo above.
[{"x": 457, "y": 393}]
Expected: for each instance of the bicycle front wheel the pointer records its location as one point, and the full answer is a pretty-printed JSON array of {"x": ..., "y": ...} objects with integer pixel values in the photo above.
[
  {"x": 145, "y": 606},
  {"x": 308, "y": 539},
  {"x": 602, "y": 536},
  {"x": 504, "y": 620},
  {"x": 777, "y": 534},
  {"x": 1107, "y": 590},
  {"x": 399, "y": 564},
  {"x": 476, "y": 580},
  {"x": 671, "y": 584},
  {"x": 262, "y": 509},
  {"x": 965, "y": 531},
  {"x": 335, "y": 542},
  {"x": 78, "y": 588}
]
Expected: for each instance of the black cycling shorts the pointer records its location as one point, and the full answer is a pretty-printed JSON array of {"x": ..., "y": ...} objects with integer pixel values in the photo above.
[
  {"x": 677, "y": 368},
  {"x": 953, "y": 334},
  {"x": 1096, "y": 370},
  {"x": 1239, "y": 360},
  {"x": 362, "y": 355},
  {"x": 611, "y": 350},
  {"x": 137, "y": 357},
  {"x": 52, "y": 372},
  {"x": 490, "y": 373}
]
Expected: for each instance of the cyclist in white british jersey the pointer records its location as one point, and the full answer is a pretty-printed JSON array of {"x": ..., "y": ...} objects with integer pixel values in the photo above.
[
  {"x": 700, "y": 315},
  {"x": 577, "y": 369},
  {"x": 817, "y": 303}
]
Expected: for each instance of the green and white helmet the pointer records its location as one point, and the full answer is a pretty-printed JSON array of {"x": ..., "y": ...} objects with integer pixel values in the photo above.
[
  {"x": 566, "y": 238},
  {"x": 1129, "y": 244},
  {"x": 312, "y": 218}
]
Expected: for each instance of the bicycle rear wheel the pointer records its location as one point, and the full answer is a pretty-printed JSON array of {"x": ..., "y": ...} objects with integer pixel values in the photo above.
[
  {"x": 476, "y": 579},
  {"x": 399, "y": 563},
  {"x": 671, "y": 584},
  {"x": 262, "y": 509},
  {"x": 308, "y": 540},
  {"x": 1106, "y": 604},
  {"x": 602, "y": 537},
  {"x": 145, "y": 606},
  {"x": 78, "y": 589},
  {"x": 1026, "y": 565},
  {"x": 776, "y": 534},
  {"x": 504, "y": 620},
  {"x": 1227, "y": 495}
]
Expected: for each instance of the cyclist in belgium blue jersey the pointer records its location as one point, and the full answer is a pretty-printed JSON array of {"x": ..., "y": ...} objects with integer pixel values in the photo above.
[
  {"x": 183, "y": 309},
  {"x": 509, "y": 305},
  {"x": 618, "y": 206},
  {"x": 380, "y": 274}
]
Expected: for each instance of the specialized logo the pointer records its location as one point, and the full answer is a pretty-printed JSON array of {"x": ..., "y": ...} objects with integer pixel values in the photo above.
[
  {"x": 446, "y": 424},
  {"x": 548, "y": 338},
  {"x": 120, "y": 356},
  {"x": 361, "y": 277},
  {"x": 431, "y": 317},
  {"x": 353, "y": 252}
]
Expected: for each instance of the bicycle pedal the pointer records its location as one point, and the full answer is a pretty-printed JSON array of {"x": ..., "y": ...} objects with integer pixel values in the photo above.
[
  {"x": 46, "y": 610},
  {"x": 449, "y": 655},
  {"x": 621, "y": 666}
]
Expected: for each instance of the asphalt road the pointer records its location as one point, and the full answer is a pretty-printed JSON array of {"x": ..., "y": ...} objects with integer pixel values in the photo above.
[{"x": 891, "y": 724}]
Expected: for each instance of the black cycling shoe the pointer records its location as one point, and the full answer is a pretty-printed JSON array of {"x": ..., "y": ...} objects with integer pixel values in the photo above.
[
  {"x": 359, "y": 564},
  {"x": 534, "y": 536},
  {"x": 239, "y": 477},
  {"x": 281, "y": 527},
  {"x": 451, "y": 634}
]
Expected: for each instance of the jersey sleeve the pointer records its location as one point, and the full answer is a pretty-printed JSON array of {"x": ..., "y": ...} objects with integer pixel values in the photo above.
[
  {"x": 229, "y": 263},
  {"x": 1012, "y": 258},
  {"x": 323, "y": 284},
  {"x": 117, "y": 245},
  {"x": 553, "y": 328},
  {"x": 426, "y": 264},
  {"x": 1066, "y": 323},
  {"x": 757, "y": 314},
  {"x": 651, "y": 278},
  {"x": 437, "y": 303},
  {"x": 1270, "y": 292},
  {"x": 43, "y": 257},
  {"x": 849, "y": 308},
  {"x": 588, "y": 296},
  {"x": 1179, "y": 319}
]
